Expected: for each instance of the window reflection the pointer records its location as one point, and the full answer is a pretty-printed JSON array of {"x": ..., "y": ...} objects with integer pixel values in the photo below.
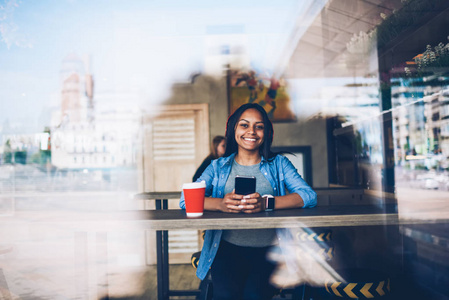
[
  {"x": 420, "y": 102},
  {"x": 368, "y": 80}
]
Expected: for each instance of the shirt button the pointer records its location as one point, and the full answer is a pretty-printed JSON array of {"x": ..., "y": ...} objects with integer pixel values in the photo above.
[
  {"x": 265, "y": 173},
  {"x": 210, "y": 259},
  {"x": 274, "y": 188},
  {"x": 215, "y": 245}
]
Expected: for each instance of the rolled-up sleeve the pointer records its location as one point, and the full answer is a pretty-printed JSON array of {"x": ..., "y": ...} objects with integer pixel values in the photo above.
[{"x": 295, "y": 184}]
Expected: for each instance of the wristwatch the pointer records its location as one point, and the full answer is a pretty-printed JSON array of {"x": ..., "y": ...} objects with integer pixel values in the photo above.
[{"x": 269, "y": 202}]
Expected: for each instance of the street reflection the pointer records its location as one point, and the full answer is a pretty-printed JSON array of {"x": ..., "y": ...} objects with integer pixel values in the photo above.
[{"x": 302, "y": 257}]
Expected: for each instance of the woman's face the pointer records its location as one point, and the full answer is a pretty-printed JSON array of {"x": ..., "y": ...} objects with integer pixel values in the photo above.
[
  {"x": 221, "y": 148},
  {"x": 249, "y": 131}
]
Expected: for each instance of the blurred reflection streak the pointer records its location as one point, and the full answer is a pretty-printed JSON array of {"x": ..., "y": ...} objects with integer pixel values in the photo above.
[
  {"x": 301, "y": 257},
  {"x": 424, "y": 205},
  {"x": 70, "y": 254}
]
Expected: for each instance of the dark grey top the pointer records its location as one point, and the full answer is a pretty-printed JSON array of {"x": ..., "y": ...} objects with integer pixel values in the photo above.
[{"x": 249, "y": 237}]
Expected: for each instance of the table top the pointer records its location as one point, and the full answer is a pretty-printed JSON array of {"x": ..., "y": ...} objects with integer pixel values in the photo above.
[
  {"x": 323, "y": 216},
  {"x": 319, "y": 191},
  {"x": 176, "y": 219}
]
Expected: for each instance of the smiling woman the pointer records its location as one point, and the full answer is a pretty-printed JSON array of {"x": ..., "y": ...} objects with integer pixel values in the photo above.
[
  {"x": 237, "y": 258},
  {"x": 262, "y": 130},
  {"x": 249, "y": 132}
]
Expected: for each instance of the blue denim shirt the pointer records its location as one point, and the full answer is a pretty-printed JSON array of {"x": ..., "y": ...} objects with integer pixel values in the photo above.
[{"x": 282, "y": 176}]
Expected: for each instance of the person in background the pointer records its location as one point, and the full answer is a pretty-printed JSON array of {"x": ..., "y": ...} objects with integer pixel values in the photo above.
[
  {"x": 217, "y": 149},
  {"x": 237, "y": 259}
]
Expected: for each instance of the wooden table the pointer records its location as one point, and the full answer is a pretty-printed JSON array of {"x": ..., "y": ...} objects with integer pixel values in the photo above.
[
  {"x": 322, "y": 216},
  {"x": 162, "y": 220}
]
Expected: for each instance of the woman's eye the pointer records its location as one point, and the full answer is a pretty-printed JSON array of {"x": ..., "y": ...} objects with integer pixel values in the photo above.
[
  {"x": 244, "y": 125},
  {"x": 259, "y": 127}
]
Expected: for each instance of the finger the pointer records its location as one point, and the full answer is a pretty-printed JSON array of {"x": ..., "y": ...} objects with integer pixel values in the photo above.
[
  {"x": 249, "y": 201},
  {"x": 233, "y": 202},
  {"x": 253, "y": 195},
  {"x": 235, "y": 207},
  {"x": 248, "y": 207},
  {"x": 246, "y": 199},
  {"x": 236, "y": 197}
]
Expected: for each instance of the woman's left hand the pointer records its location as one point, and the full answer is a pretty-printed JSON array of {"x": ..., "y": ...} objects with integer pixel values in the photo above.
[{"x": 252, "y": 203}]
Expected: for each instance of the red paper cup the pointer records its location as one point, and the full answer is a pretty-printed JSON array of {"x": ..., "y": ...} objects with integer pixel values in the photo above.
[{"x": 194, "y": 198}]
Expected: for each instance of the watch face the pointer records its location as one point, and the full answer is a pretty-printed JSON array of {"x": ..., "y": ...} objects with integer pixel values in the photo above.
[{"x": 270, "y": 203}]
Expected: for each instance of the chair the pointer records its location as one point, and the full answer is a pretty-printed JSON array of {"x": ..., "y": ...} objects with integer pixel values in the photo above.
[{"x": 205, "y": 287}]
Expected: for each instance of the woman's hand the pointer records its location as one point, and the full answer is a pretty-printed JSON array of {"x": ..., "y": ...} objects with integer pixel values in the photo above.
[
  {"x": 235, "y": 203},
  {"x": 252, "y": 203},
  {"x": 231, "y": 203}
]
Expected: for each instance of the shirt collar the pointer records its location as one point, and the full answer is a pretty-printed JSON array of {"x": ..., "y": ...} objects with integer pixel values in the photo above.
[{"x": 230, "y": 159}]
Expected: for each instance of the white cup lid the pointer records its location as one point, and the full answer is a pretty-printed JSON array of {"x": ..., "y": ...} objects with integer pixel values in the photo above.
[{"x": 194, "y": 185}]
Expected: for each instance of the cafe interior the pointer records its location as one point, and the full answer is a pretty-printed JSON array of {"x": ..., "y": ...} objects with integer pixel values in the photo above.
[{"x": 361, "y": 110}]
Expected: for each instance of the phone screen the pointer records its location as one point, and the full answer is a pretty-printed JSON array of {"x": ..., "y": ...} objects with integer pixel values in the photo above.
[{"x": 245, "y": 185}]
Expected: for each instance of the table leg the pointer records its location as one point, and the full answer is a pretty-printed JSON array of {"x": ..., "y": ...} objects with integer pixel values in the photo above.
[
  {"x": 166, "y": 278},
  {"x": 160, "y": 268},
  {"x": 163, "y": 284},
  {"x": 165, "y": 249}
]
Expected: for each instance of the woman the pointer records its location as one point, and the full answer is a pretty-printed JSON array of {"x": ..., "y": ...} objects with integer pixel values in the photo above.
[
  {"x": 217, "y": 149},
  {"x": 237, "y": 258}
]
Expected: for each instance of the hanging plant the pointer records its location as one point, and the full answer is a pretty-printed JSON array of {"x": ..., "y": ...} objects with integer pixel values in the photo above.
[
  {"x": 436, "y": 57},
  {"x": 430, "y": 61},
  {"x": 362, "y": 43},
  {"x": 395, "y": 24}
]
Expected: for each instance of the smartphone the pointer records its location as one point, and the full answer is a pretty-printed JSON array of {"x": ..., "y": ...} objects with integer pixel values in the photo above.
[{"x": 245, "y": 185}]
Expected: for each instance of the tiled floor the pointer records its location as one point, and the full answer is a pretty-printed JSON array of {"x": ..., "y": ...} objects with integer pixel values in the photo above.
[{"x": 52, "y": 283}]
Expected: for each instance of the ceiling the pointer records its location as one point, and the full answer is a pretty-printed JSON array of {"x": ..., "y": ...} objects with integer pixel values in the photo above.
[{"x": 320, "y": 50}]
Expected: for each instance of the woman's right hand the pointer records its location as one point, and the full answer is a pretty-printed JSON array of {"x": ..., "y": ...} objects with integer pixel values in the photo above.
[{"x": 230, "y": 203}]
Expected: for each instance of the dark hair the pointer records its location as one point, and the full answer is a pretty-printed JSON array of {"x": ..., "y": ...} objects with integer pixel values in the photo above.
[
  {"x": 265, "y": 148},
  {"x": 213, "y": 147}
]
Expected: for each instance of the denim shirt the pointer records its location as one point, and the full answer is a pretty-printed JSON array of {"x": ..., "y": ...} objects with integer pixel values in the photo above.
[{"x": 282, "y": 176}]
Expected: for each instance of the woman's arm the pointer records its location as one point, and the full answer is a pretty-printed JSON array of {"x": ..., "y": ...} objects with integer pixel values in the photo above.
[
  {"x": 305, "y": 196},
  {"x": 254, "y": 203},
  {"x": 213, "y": 204},
  {"x": 292, "y": 200}
]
